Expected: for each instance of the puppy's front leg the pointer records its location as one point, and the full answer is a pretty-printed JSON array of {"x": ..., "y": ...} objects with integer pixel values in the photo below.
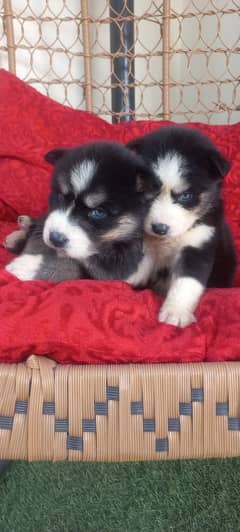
[
  {"x": 15, "y": 242},
  {"x": 181, "y": 302},
  {"x": 189, "y": 280}
]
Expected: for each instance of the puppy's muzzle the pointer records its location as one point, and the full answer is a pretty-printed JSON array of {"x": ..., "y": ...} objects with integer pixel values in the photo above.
[
  {"x": 57, "y": 239},
  {"x": 160, "y": 229}
]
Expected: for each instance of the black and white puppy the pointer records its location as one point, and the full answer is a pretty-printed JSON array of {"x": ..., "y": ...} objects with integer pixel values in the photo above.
[
  {"x": 188, "y": 244},
  {"x": 99, "y": 198},
  {"x": 36, "y": 260}
]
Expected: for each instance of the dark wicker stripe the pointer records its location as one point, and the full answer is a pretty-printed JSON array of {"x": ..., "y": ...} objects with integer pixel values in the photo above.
[
  {"x": 101, "y": 409},
  {"x": 113, "y": 393},
  {"x": 234, "y": 423},
  {"x": 149, "y": 425},
  {"x": 222, "y": 409},
  {"x": 61, "y": 425},
  {"x": 89, "y": 425},
  {"x": 185, "y": 409},
  {"x": 137, "y": 408},
  {"x": 6, "y": 422},
  {"x": 161, "y": 445},
  {"x": 21, "y": 407},
  {"x": 173, "y": 424},
  {"x": 48, "y": 408},
  {"x": 74, "y": 443},
  {"x": 197, "y": 395}
]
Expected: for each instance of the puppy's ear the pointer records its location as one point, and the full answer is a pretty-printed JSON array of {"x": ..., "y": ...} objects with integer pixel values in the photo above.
[
  {"x": 146, "y": 182},
  {"x": 135, "y": 145},
  {"x": 53, "y": 156},
  {"x": 219, "y": 165}
]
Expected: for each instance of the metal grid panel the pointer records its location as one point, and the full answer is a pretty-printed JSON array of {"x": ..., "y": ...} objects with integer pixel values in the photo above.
[
  {"x": 144, "y": 57},
  {"x": 181, "y": 62},
  {"x": 204, "y": 60},
  {"x": 48, "y": 47}
]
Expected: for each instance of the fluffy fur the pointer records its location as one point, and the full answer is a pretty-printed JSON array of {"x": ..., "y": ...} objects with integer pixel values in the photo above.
[
  {"x": 187, "y": 245},
  {"x": 36, "y": 260},
  {"x": 99, "y": 198}
]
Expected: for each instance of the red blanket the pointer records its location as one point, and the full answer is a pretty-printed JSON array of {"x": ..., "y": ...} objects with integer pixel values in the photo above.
[{"x": 88, "y": 321}]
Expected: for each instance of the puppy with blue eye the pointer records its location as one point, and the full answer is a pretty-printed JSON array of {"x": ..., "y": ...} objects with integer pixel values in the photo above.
[
  {"x": 188, "y": 245},
  {"x": 102, "y": 198},
  {"x": 100, "y": 194}
]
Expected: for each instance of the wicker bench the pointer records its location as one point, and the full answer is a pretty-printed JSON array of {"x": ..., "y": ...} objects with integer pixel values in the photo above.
[
  {"x": 120, "y": 413},
  {"x": 133, "y": 412}
]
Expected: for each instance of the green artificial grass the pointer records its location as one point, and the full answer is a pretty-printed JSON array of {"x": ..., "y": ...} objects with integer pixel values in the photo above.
[{"x": 188, "y": 496}]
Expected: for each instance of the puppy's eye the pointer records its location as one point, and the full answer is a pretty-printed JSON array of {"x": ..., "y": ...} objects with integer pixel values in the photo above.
[
  {"x": 98, "y": 214},
  {"x": 185, "y": 197}
]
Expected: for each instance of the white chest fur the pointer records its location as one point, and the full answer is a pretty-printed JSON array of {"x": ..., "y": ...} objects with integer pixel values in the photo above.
[{"x": 161, "y": 253}]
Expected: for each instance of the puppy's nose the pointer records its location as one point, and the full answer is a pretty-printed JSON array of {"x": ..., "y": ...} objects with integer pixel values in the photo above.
[
  {"x": 58, "y": 240},
  {"x": 160, "y": 229}
]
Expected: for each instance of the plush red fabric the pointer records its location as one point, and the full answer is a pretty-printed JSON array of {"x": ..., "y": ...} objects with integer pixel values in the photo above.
[{"x": 87, "y": 321}]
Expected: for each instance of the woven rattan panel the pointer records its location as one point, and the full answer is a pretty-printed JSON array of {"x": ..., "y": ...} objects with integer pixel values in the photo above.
[
  {"x": 182, "y": 60},
  {"x": 105, "y": 413}
]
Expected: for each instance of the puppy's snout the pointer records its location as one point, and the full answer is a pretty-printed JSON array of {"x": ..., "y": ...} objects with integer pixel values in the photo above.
[
  {"x": 160, "y": 229},
  {"x": 57, "y": 239}
]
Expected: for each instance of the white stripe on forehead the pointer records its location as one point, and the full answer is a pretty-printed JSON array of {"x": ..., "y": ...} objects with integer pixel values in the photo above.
[
  {"x": 82, "y": 174},
  {"x": 94, "y": 199},
  {"x": 169, "y": 169}
]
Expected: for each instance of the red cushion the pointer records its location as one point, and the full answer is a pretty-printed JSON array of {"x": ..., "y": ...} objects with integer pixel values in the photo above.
[{"x": 87, "y": 321}]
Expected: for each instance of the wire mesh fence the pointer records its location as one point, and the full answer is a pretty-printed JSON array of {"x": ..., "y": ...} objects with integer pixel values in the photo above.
[{"x": 122, "y": 59}]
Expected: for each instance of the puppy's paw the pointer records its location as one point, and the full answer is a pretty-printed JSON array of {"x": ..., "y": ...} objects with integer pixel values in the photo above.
[
  {"x": 25, "y": 267},
  {"x": 24, "y": 222},
  {"x": 176, "y": 316},
  {"x": 13, "y": 240},
  {"x": 16, "y": 240}
]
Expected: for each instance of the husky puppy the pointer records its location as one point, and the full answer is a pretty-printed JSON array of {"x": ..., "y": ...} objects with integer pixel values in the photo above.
[
  {"x": 36, "y": 260},
  {"x": 99, "y": 198},
  {"x": 188, "y": 245}
]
